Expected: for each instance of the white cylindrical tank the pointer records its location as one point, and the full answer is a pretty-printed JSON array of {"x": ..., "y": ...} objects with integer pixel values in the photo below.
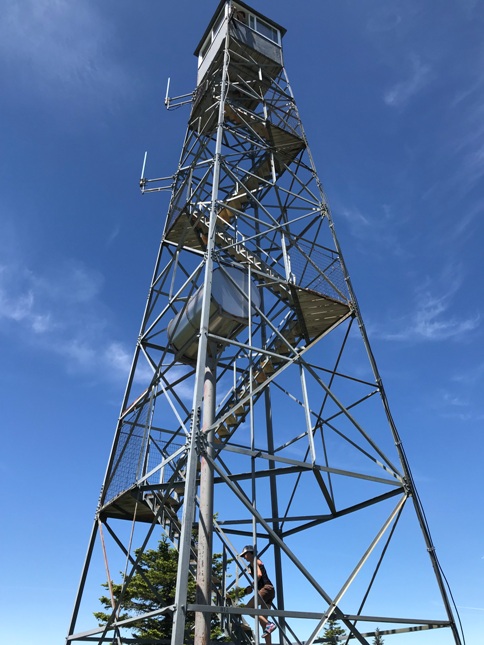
[{"x": 229, "y": 311}]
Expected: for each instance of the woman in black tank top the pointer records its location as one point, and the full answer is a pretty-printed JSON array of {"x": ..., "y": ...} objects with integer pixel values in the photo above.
[{"x": 265, "y": 590}]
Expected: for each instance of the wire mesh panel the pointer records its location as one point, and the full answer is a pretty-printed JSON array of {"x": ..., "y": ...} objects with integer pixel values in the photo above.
[{"x": 130, "y": 451}]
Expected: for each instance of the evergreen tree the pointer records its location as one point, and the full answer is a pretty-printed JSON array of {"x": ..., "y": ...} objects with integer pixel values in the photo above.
[
  {"x": 152, "y": 587},
  {"x": 332, "y": 632},
  {"x": 378, "y": 638}
]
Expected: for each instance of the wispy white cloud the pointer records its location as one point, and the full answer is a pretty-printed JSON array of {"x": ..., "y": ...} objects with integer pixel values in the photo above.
[
  {"x": 469, "y": 216},
  {"x": 354, "y": 216},
  {"x": 470, "y": 376},
  {"x": 402, "y": 92},
  {"x": 60, "y": 51},
  {"x": 18, "y": 301},
  {"x": 378, "y": 227},
  {"x": 432, "y": 322},
  {"x": 466, "y": 140},
  {"x": 461, "y": 399},
  {"x": 454, "y": 400},
  {"x": 384, "y": 20},
  {"x": 432, "y": 318},
  {"x": 459, "y": 112},
  {"x": 113, "y": 235},
  {"x": 116, "y": 356},
  {"x": 71, "y": 282},
  {"x": 452, "y": 405},
  {"x": 61, "y": 311}
]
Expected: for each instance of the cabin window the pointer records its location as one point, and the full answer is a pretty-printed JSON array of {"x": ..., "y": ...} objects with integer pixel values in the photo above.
[
  {"x": 265, "y": 29},
  {"x": 257, "y": 24},
  {"x": 211, "y": 36},
  {"x": 241, "y": 16},
  {"x": 205, "y": 47},
  {"x": 217, "y": 24}
]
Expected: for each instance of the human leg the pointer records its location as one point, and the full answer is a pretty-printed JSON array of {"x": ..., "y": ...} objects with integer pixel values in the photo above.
[{"x": 266, "y": 596}]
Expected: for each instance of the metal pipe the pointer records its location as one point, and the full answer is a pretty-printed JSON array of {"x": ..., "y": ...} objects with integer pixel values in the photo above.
[
  {"x": 192, "y": 454},
  {"x": 205, "y": 523}
]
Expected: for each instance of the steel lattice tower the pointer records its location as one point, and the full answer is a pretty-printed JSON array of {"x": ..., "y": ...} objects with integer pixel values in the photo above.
[{"x": 254, "y": 410}]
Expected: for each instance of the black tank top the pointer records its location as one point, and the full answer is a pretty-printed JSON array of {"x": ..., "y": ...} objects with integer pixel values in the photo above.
[{"x": 263, "y": 579}]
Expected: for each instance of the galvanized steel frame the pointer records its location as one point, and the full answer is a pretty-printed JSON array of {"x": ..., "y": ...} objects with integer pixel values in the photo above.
[{"x": 224, "y": 211}]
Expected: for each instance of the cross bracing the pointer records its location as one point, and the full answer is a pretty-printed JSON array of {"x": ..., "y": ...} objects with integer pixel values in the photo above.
[{"x": 270, "y": 425}]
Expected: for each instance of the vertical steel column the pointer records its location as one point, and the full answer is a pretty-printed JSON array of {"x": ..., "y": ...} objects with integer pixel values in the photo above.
[
  {"x": 272, "y": 467},
  {"x": 205, "y": 523},
  {"x": 177, "y": 637}
]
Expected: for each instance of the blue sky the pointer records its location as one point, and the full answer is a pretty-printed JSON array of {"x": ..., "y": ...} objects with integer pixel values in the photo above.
[{"x": 392, "y": 99}]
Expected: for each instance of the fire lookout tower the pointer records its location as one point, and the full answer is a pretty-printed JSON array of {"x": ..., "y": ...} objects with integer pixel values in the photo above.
[{"x": 254, "y": 412}]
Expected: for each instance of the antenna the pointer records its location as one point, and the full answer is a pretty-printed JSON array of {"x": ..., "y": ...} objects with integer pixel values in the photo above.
[
  {"x": 142, "y": 181},
  {"x": 176, "y": 101},
  {"x": 167, "y": 98}
]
